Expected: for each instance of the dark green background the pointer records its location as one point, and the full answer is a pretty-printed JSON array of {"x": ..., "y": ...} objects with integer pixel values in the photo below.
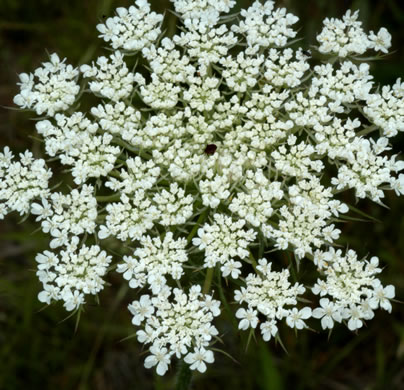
[{"x": 38, "y": 350}]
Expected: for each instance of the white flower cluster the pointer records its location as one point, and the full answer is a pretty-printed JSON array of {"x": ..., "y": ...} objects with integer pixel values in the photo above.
[
  {"x": 129, "y": 218},
  {"x": 351, "y": 284},
  {"x": 297, "y": 159},
  {"x": 139, "y": 175},
  {"x": 206, "y": 11},
  {"x": 169, "y": 64},
  {"x": 255, "y": 205},
  {"x": 160, "y": 95},
  {"x": 350, "y": 83},
  {"x": 366, "y": 169},
  {"x": 281, "y": 70},
  {"x": 241, "y": 73},
  {"x": 21, "y": 182},
  {"x": 305, "y": 222},
  {"x": 175, "y": 208},
  {"x": 214, "y": 190},
  {"x": 154, "y": 259},
  {"x": 178, "y": 324},
  {"x": 223, "y": 240},
  {"x": 67, "y": 215},
  {"x": 75, "y": 141},
  {"x": 133, "y": 28},
  {"x": 112, "y": 78},
  {"x": 201, "y": 152},
  {"x": 76, "y": 272},
  {"x": 386, "y": 109},
  {"x": 119, "y": 119},
  {"x": 270, "y": 294},
  {"x": 265, "y": 26},
  {"x": 206, "y": 45},
  {"x": 346, "y": 37},
  {"x": 50, "y": 89}
]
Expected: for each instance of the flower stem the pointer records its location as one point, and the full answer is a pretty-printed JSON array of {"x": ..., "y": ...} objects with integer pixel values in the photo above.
[
  {"x": 253, "y": 262},
  {"x": 184, "y": 377},
  {"x": 197, "y": 225},
  {"x": 208, "y": 280},
  {"x": 108, "y": 198}
]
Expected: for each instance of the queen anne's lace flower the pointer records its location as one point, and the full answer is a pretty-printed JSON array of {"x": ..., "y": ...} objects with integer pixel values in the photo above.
[
  {"x": 67, "y": 215},
  {"x": 255, "y": 205},
  {"x": 74, "y": 273},
  {"x": 353, "y": 287},
  {"x": 271, "y": 294},
  {"x": 346, "y": 37},
  {"x": 132, "y": 29},
  {"x": 21, "y": 181},
  {"x": 139, "y": 175},
  {"x": 187, "y": 323},
  {"x": 50, "y": 89},
  {"x": 129, "y": 218},
  {"x": 386, "y": 109},
  {"x": 119, "y": 119},
  {"x": 264, "y": 26},
  {"x": 112, "y": 78},
  {"x": 75, "y": 141},
  {"x": 223, "y": 240},
  {"x": 153, "y": 259},
  {"x": 282, "y": 70},
  {"x": 206, "y": 45},
  {"x": 201, "y": 152},
  {"x": 366, "y": 169},
  {"x": 206, "y": 11},
  {"x": 175, "y": 208}
]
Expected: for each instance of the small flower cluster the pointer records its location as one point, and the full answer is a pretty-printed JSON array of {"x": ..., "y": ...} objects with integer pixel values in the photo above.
[
  {"x": 255, "y": 205},
  {"x": 269, "y": 293},
  {"x": 132, "y": 29},
  {"x": 76, "y": 272},
  {"x": 206, "y": 11},
  {"x": 111, "y": 77},
  {"x": 75, "y": 141},
  {"x": 201, "y": 152},
  {"x": 386, "y": 109},
  {"x": 154, "y": 259},
  {"x": 351, "y": 284},
  {"x": 305, "y": 223},
  {"x": 52, "y": 88},
  {"x": 129, "y": 218},
  {"x": 66, "y": 215},
  {"x": 346, "y": 37},
  {"x": 222, "y": 241},
  {"x": 21, "y": 182},
  {"x": 264, "y": 26},
  {"x": 180, "y": 326}
]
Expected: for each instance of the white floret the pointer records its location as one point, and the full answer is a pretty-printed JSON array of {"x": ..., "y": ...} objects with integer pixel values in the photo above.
[
  {"x": 52, "y": 88},
  {"x": 132, "y": 28},
  {"x": 21, "y": 182},
  {"x": 110, "y": 77}
]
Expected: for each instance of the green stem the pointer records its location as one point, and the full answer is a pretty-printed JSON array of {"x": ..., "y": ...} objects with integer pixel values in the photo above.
[
  {"x": 253, "y": 262},
  {"x": 208, "y": 280},
  {"x": 115, "y": 174},
  {"x": 184, "y": 377},
  {"x": 99, "y": 337},
  {"x": 367, "y": 130},
  {"x": 196, "y": 226},
  {"x": 108, "y": 198},
  {"x": 132, "y": 149}
]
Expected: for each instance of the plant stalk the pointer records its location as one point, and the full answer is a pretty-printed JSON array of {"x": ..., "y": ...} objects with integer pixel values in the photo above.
[{"x": 184, "y": 377}]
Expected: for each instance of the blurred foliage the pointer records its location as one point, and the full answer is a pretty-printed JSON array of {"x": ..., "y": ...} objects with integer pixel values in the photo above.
[{"x": 40, "y": 349}]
